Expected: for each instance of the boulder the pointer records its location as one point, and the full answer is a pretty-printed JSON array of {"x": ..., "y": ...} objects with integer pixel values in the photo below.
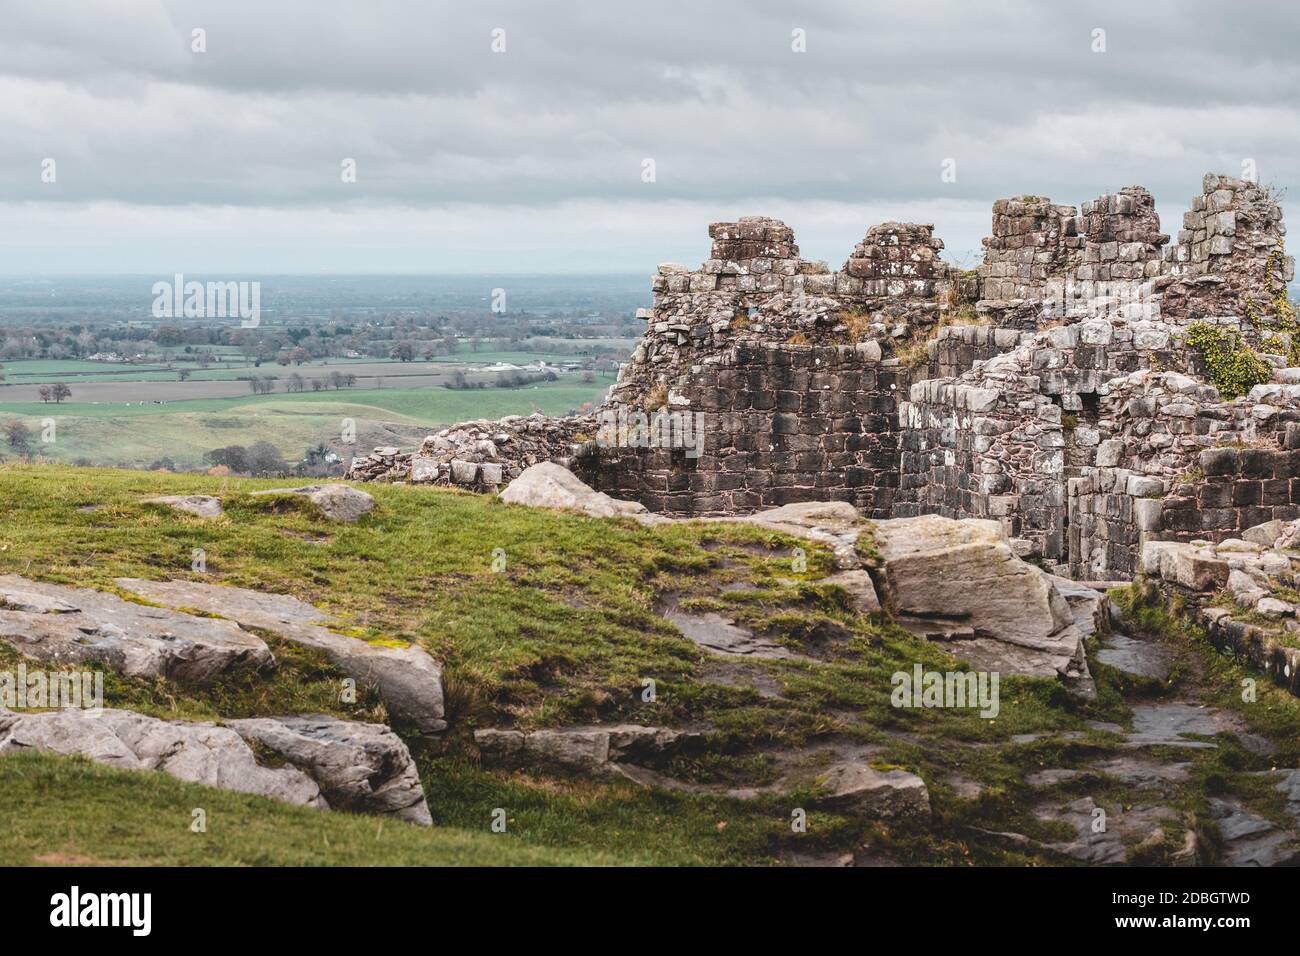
[
  {"x": 64, "y": 625},
  {"x": 548, "y": 485},
  {"x": 361, "y": 767},
  {"x": 1265, "y": 534},
  {"x": 948, "y": 578},
  {"x": 408, "y": 680},
  {"x": 205, "y": 506},
  {"x": 336, "y": 501},
  {"x": 194, "y": 752}
]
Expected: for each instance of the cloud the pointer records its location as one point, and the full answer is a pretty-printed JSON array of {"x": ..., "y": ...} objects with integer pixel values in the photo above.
[{"x": 560, "y": 123}]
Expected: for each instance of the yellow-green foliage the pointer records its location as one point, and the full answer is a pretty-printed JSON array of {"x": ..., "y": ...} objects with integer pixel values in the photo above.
[{"x": 1232, "y": 365}]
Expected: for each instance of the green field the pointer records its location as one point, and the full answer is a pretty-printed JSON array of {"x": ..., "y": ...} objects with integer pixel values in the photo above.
[{"x": 136, "y": 435}]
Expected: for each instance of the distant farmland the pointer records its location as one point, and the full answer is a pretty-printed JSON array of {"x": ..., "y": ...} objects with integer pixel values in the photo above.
[{"x": 138, "y": 420}]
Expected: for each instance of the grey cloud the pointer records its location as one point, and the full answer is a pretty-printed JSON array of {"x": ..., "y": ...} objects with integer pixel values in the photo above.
[{"x": 1011, "y": 91}]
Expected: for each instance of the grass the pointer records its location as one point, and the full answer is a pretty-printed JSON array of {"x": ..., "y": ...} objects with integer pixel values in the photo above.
[
  {"x": 565, "y": 634},
  {"x": 60, "y": 810}
]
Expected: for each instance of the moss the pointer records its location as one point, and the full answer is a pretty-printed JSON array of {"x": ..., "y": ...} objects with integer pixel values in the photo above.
[{"x": 1231, "y": 364}]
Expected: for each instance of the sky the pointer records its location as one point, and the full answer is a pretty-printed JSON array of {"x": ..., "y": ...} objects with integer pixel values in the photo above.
[{"x": 513, "y": 137}]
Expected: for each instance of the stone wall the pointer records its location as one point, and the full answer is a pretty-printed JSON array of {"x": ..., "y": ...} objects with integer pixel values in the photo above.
[{"x": 780, "y": 424}]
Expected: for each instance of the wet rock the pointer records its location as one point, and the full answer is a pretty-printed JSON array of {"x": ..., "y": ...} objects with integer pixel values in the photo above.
[
  {"x": 338, "y": 502},
  {"x": 64, "y": 625},
  {"x": 361, "y": 767},
  {"x": 408, "y": 680}
]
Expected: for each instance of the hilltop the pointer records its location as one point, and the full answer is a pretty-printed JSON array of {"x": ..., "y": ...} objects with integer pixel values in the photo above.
[{"x": 543, "y": 621}]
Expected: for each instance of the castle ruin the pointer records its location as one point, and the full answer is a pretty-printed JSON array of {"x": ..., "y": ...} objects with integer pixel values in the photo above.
[{"x": 1091, "y": 385}]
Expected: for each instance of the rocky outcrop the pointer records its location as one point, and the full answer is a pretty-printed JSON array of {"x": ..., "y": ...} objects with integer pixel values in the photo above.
[
  {"x": 360, "y": 767},
  {"x": 338, "y": 502},
  {"x": 479, "y": 455},
  {"x": 408, "y": 680},
  {"x": 960, "y": 582},
  {"x": 330, "y": 763},
  {"x": 64, "y": 625},
  {"x": 194, "y": 752}
]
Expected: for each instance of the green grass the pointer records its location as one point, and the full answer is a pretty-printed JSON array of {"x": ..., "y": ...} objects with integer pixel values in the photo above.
[
  {"x": 565, "y": 635},
  {"x": 59, "y": 810}
]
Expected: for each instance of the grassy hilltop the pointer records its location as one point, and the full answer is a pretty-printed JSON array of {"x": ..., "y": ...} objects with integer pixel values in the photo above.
[{"x": 564, "y": 635}]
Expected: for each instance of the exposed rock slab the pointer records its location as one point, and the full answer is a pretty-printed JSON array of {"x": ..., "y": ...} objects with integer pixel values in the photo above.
[
  {"x": 834, "y": 523},
  {"x": 721, "y": 635},
  {"x": 857, "y": 584},
  {"x": 194, "y": 752},
  {"x": 361, "y": 767},
  {"x": 204, "y": 506},
  {"x": 947, "y": 578},
  {"x": 336, "y": 501},
  {"x": 407, "y": 678},
  {"x": 1108, "y": 846},
  {"x": 1177, "y": 723},
  {"x": 1249, "y": 839},
  {"x": 583, "y": 749},
  {"x": 65, "y": 625}
]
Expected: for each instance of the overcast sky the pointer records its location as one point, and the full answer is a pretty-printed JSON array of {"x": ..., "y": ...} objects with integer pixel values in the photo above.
[{"x": 531, "y": 159}]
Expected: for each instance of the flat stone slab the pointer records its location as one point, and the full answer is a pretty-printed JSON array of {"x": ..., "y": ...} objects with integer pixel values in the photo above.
[
  {"x": 361, "y": 767},
  {"x": 1166, "y": 724},
  {"x": 204, "y": 506},
  {"x": 65, "y": 625},
  {"x": 719, "y": 635},
  {"x": 407, "y": 678},
  {"x": 1139, "y": 658}
]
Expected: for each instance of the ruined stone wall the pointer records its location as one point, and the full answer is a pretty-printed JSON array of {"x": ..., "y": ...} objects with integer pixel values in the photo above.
[
  {"x": 780, "y": 424},
  {"x": 994, "y": 450},
  {"x": 1182, "y": 465},
  {"x": 1051, "y": 389}
]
